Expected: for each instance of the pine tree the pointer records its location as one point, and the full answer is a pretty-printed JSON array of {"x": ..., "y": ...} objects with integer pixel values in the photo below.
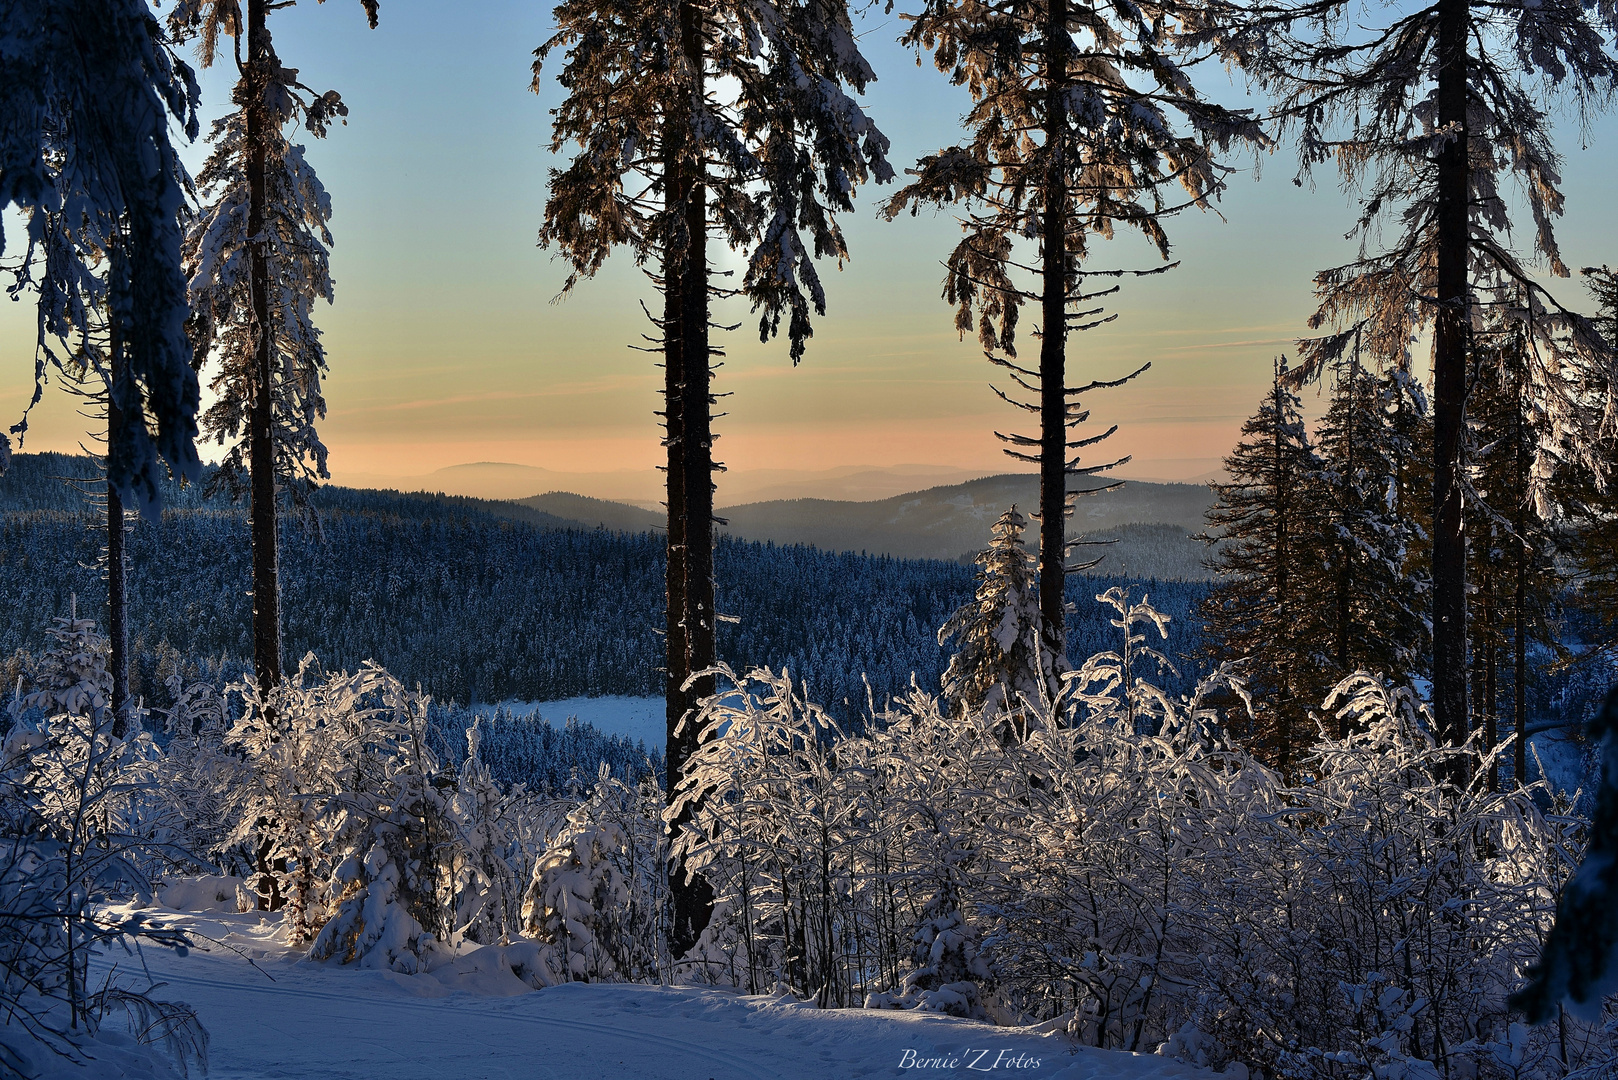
[
  {"x": 665, "y": 159},
  {"x": 1428, "y": 113},
  {"x": 1001, "y": 657},
  {"x": 1071, "y": 135},
  {"x": 85, "y": 106},
  {"x": 1268, "y": 606},
  {"x": 256, "y": 260}
]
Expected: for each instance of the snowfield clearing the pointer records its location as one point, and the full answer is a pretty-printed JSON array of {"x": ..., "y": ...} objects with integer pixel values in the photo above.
[
  {"x": 280, "y": 1016},
  {"x": 634, "y": 718}
]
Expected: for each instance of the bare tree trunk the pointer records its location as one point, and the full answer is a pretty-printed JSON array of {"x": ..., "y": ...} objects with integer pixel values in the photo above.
[
  {"x": 1053, "y": 341},
  {"x": 692, "y": 901},
  {"x": 261, "y": 411},
  {"x": 1449, "y": 387}
]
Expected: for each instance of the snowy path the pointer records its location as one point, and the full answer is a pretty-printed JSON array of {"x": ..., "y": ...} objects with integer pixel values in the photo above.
[{"x": 334, "y": 1023}]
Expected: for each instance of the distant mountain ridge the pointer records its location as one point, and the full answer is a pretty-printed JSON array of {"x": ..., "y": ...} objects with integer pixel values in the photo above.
[
  {"x": 1141, "y": 528},
  {"x": 1151, "y": 523}
]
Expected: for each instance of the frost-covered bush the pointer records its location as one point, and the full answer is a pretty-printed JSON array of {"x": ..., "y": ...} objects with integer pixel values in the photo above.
[
  {"x": 76, "y": 831},
  {"x": 597, "y": 893},
  {"x": 385, "y": 818},
  {"x": 1129, "y": 872}
]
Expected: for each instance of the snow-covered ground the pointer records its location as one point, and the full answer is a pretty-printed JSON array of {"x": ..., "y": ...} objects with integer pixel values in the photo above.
[
  {"x": 633, "y": 717},
  {"x": 272, "y": 1014}
]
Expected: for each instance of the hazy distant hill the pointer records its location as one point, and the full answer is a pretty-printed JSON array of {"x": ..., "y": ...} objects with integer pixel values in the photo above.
[
  {"x": 620, "y": 517},
  {"x": 71, "y": 482},
  {"x": 947, "y": 522},
  {"x": 643, "y": 487},
  {"x": 1151, "y": 523}
]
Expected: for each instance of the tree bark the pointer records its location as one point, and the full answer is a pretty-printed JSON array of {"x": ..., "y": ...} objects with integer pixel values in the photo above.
[
  {"x": 1449, "y": 388},
  {"x": 261, "y": 411},
  {"x": 1280, "y": 500},
  {"x": 692, "y": 901},
  {"x": 1053, "y": 340},
  {"x": 117, "y": 566}
]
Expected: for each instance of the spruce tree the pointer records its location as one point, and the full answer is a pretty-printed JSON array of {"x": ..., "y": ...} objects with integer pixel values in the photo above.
[
  {"x": 1377, "y": 597},
  {"x": 1428, "y": 113},
  {"x": 1001, "y": 659},
  {"x": 1073, "y": 133},
  {"x": 1269, "y": 605},
  {"x": 256, "y": 259},
  {"x": 1513, "y": 543},
  {"x": 689, "y": 120},
  {"x": 89, "y": 93}
]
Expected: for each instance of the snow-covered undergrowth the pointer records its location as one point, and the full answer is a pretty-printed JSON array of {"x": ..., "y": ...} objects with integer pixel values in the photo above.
[
  {"x": 271, "y": 1012},
  {"x": 1105, "y": 864}
]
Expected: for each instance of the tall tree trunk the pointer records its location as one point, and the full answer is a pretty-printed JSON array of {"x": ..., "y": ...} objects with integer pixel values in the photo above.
[
  {"x": 692, "y": 901},
  {"x": 1449, "y": 388},
  {"x": 1519, "y": 605},
  {"x": 1280, "y": 496},
  {"x": 674, "y": 433},
  {"x": 1053, "y": 340},
  {"x": 261, "y": 411},
  {"x": 1345, "y": 547},
  {"x": 1486, "y": 657},
  {"x": 1519, "y": 682},
  {"x": 117, "y": 566}
]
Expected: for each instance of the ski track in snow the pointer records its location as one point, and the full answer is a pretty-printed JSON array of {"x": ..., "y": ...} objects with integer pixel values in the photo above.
[{"x": 297, "y": 1020}]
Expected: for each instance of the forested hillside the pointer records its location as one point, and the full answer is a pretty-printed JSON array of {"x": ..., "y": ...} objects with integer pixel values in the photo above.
[{"x": 474, "y": 606}]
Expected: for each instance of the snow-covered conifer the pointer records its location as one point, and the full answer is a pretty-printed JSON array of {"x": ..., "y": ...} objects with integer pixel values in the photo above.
[
  {"x": 1433, "y": 114},
  {"x": 1267, "y": 607},
  {"x": 731, "y": 120},
  {"x": 1083, "y": 121},
  {"x": 596, "y": 894},
  {"x": 85, "y": 156},
  {"x": 1002, "y": 655},
  {"x": 256, "y": 261},
  {"x": 1373, "y": 583},
  {"x": 388, "y": 830}
]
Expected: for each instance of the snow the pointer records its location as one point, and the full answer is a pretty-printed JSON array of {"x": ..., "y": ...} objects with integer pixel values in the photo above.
[
  {"x": 642, "y": 718},
  {"x": 269, "y": 1012}
]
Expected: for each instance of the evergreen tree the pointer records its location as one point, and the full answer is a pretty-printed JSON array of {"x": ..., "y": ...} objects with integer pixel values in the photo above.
[
  {"x": 1072, "y": 134},
  {"x": 89, "y": 92},
  {"x": 1269, "y": 606},
  {"x": 1603, "y": 286},
  {"x": 1579, "y": 962},
  {"x": 728, "y": 118},
  {"x": 1001, "y": 657},
  {"x": 256, "y": 260},
  {"x": 1377, "y": 599},
  {"x": 1516, "y": 585},
  {"x": 1429, "y": 112}
]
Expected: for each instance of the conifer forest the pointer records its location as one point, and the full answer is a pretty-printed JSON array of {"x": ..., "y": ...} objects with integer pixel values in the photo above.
[{"x": 301, "y": 777}]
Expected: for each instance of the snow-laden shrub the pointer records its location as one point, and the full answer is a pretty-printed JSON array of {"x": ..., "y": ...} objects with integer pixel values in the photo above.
[
  {"x": 386, "y": 817},
  {"x": 949, "y": 967},
  {"x": 1130, "y": 873},
  {"x": 75, "y": 832},
  {"x": 776, "y": 806},
  {"x": 597, "y": 893},
  {"x": 488, "y": 893}
]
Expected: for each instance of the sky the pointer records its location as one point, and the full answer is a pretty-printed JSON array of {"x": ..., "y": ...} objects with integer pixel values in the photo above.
[{"x": 448, "y": 345}]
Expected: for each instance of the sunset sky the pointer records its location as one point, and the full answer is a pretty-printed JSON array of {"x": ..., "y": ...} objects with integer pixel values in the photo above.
[{"x": 446, "y": 347}]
